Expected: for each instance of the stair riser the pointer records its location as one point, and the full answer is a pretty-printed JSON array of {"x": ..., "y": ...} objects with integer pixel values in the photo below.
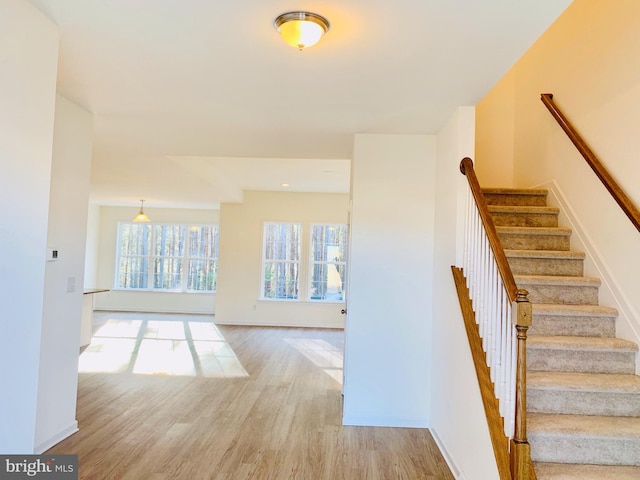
[
  {"x": 567, "y": 294},
  {"x": 515, "y": 200},
  {"x": 515, "y": 219},
  {"x": 583, "y": 403},
  {"x": 569, "y": 471},
  {"x": 546, "y": 266},
  {"x": 588, "y": 361},
  {"x": 516, "y": 241},
  {"x": 571, "y": 449},
  {"x": 604, "y": 327}
]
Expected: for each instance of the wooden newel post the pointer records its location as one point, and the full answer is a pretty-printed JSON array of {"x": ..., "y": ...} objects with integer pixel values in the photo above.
[{"x": 520, "y": 450}]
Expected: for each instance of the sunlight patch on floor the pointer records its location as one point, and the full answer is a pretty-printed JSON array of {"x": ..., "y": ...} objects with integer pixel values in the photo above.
[
  {"x": 323, "y": 354},
  {"x": 160, "y": 347},
  {"x": 164, "y": 357}
]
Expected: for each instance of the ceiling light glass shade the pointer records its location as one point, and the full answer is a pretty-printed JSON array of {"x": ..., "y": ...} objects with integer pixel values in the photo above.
[
  {"x": 301, "y": 29},
  {"x": 141, "y": 217}
]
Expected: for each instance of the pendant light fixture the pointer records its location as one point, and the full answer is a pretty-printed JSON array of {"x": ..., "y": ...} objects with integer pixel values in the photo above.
[
  {"x": 141, "y": 217},
  {"x": 301, "y": 29}
]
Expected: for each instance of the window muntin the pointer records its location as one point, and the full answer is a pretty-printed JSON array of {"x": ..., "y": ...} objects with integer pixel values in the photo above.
[
  {"x": 327, "y": 269},
  {"x": 282, "y": 245},
  {"x": 134, "y": 242},
  {"x": 167, "y": 257},
  {"x": 202, "y": 261}
]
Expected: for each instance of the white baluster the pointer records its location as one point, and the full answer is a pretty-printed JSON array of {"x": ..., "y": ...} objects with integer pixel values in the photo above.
[{"x": 493, "y": 312}]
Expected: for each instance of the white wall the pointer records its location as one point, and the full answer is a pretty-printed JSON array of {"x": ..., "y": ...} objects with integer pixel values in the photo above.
[
  {"x": 68, "y": 204},
  {"x": 91, "y": 257},
  {"x": 241, "y": 224},
  {"x": 28, "y": 58},
  {"x": 589, "y": 60},
  {"x": 132, "y": 301},
  {"x": 458, "y": 420},
  {"x": 388, "y": 330}
]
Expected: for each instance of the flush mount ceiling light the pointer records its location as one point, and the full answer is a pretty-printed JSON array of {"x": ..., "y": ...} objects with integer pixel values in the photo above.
[
  {"x": 301, "y": 29},
  {"x": 141, "y": 217}
]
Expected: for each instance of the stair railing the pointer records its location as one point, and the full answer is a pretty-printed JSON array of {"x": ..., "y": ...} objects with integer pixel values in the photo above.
[
  {"x": 598, "y": 168},
  {"x": 498, "y": 315}
]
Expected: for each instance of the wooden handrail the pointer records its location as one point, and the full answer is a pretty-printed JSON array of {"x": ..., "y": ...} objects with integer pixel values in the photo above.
[
  {"x": 466, "y": 167},
  {"x": 627, "y": 205}
]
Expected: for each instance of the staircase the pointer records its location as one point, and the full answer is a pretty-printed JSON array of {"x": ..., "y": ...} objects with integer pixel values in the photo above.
[{"x": 583, "y": 398}]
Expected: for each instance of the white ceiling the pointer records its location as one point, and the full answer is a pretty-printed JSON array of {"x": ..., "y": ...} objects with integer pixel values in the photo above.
[{"x": 196, "y": 100}]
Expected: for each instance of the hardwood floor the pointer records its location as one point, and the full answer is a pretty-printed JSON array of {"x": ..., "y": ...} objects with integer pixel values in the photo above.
[{"x": 243, "y": 403}]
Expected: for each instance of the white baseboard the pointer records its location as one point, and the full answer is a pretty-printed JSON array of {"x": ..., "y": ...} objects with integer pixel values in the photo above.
[
  {"x": 355, "y": 421},
  {"x": 150, "y": 309},
  {"x": 329, "y": 324},
  {"x": 447, "y": 457},
  {"x": 57, "y": 438}
]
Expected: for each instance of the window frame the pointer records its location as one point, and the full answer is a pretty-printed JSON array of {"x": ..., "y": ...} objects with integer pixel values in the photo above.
[
  {"x": 305, "y": 263},
  {"x": 313, "y": 262},
  {"x": 151, "y": 258},
  {"x": 299, "y": 262}
]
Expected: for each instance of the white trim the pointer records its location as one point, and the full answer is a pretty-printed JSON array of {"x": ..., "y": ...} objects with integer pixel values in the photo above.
[
  {"x": 339, "y": 324},
  {"x": 57, "y": 438},
  {"x": 457, "y": 474},
  {"x": 385, "y": 422},
  {"x": 610, "y": 291},
  {"x": 160, "y": 290},
  {"x": 182, "y": 311}
]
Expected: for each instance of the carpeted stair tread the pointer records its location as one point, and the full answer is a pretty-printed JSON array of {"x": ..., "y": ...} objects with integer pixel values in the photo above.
[
  {"x": 585, "y": 439},
  {"x": 580, "y": 343},
  {"x": 583, "y": 393},
  {"x": 560, "y": 280},
  {"x": 592, "y": 382},
  {"x": 524, "y": 215},
  {"x": 534, "y": 238},
  {"x": 571, "y": 471},
  {"x": 523, "y": 209},
  {"x": 514, "y": 191},
  {"x": 567, "y": 289},
  {"x": 514, "y": 196},
  {"x": 589, "y": 426},
  {"x": 570, "y": 310},
  {"x": 546, "y": 262},
  {"x": 533, "y": 230},
  {"x": 573, "y": 320},
  {"x": 544, "y": 254}
]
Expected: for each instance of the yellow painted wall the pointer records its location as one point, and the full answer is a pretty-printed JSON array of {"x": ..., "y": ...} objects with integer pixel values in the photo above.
[{"x": 590, "y": 60}]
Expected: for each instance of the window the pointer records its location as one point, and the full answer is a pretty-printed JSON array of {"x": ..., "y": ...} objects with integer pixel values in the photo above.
[
  {"x": 328, "y": 262},
  {"x": 286, "y": 277},
  {"x": 281, "y": 261},
  {"x": 167, "y": 257}
]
